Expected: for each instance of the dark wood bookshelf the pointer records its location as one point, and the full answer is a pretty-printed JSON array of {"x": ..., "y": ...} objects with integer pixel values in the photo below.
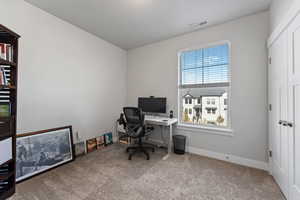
[
  {"x": 6, "y": 175},
  {"x": 8, "y": 193},
  {"x": 7, "y": 87},
  {"x": 6, "y": 62},
  {"x": 7, "y": 118},
  {"x": 7, "y": 134},
  {"x": 8, "y": 95},
  {"x": 7, "y": 162}
]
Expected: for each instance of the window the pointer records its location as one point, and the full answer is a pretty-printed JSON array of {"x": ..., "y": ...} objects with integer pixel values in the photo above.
[
  {"x": 186, "y": 101},
  {"x": 214, "y": 111},
  {"x": 225, "y": 102},
  {"x": 190, "y": 111},
  {"x": 205, "y": 74},
  {"x": 213, "y": 102},
  {"x": 199, "y": 100},
  {"x": 208, "y": 110},
  {"x": 190, "y": 101}
]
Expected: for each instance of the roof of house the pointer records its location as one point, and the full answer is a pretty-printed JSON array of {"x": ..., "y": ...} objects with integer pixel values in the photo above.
[
  {"x": 204, "y": 92},
  {"x": 188, "y": 95}
]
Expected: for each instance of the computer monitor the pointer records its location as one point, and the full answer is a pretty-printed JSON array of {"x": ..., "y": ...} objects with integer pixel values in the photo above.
[{"x": 152, "y": 104}]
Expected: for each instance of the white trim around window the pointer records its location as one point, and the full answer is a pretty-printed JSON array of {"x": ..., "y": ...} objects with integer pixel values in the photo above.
[
  {"x": 227, "y": 131},
  {"x": 206, "y": 129}
]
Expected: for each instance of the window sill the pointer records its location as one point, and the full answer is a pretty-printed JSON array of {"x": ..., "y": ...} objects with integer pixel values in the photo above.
[{"x": 206, "y": 129}]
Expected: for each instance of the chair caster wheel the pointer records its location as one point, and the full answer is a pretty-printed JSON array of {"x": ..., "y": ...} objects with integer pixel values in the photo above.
[{"x": 129, "y": 158}]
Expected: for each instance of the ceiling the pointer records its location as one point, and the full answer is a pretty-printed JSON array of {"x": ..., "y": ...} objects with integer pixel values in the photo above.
[{"x": 134, "y": 23}]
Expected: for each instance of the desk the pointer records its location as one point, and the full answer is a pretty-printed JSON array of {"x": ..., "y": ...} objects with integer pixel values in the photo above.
[{"x": 163, "y": 121}]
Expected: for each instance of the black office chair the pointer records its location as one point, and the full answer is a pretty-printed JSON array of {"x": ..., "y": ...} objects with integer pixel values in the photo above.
[{"x": 136, "y": 129}]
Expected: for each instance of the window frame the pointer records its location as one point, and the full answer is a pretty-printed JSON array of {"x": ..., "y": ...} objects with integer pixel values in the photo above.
[
  {"x": 227, "y": 129},
  {"x": 198, "y": 100}
]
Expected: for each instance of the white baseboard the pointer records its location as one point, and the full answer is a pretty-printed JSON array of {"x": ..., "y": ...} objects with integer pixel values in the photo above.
[
  {"x": 230, "y": 158},
  {"x": 115, "y": 140},
  {"x": 224, "y": 157}
]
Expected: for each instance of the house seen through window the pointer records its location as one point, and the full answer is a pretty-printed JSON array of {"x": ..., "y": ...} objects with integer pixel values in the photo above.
[{"x": 204, "y": 86}]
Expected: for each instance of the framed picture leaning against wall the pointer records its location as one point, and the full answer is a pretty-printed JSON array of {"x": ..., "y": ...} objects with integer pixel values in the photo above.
[{"x": 40, "y": 151}]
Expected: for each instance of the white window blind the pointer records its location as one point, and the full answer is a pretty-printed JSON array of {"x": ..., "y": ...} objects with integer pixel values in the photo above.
[
  {"x": 208, "y": 67},
  {"x": 205, "y": 84}
]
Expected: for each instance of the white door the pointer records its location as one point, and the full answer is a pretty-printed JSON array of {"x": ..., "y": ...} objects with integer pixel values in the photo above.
[
  {"x": 278, "y": 93},
  {"x": 294, "y": 107}
]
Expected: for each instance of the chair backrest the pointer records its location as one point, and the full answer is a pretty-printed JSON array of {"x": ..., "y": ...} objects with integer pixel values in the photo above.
[
  {"x": 135, "y": 121},
  {"x": 133, "y": 115},
  {"x": 122, "y": 121}
]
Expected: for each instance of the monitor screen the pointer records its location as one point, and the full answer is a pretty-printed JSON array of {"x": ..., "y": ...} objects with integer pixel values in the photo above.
[{"x": 152, "y": 105}]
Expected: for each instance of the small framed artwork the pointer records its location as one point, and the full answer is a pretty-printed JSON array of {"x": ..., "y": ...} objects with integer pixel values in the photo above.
[
  {"x": 79, "y": 148},
  {"x": 4, "y": 109},
  {"x": 41, "y": 151},
  {"x": 91, "y": 145},
  {"x": 108, "y": 138},
  {"x": 100, "y": 142}
]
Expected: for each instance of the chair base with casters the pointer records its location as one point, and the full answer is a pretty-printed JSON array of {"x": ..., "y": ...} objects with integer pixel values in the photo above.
[{"x": 139, "y": 147}]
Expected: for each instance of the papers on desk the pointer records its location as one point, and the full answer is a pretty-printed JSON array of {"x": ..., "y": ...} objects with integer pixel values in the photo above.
[{"x": 160, "y": 120}]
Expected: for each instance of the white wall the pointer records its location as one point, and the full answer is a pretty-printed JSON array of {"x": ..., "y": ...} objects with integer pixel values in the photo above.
[
  {"x": 152, "y": 70},
  {"x": 278, "y": 10},
  {"x": 66, "y": 75}
]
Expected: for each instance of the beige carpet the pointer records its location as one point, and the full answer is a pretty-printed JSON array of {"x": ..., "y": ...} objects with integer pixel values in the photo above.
[{"x": 108, "y": 175}]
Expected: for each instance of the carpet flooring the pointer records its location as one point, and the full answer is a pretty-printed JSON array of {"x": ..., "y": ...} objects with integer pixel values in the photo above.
[{"x": 108, "y": 175}]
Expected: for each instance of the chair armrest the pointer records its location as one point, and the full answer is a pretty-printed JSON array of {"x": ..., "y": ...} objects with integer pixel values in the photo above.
[{"x": 148, "y": 130}]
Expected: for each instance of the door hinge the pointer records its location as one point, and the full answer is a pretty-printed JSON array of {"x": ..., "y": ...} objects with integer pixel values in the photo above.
[
  {"x": 270, "y": 60},
  {"x": 270, "y": 107},
  {"x": 270, "y": 154}
]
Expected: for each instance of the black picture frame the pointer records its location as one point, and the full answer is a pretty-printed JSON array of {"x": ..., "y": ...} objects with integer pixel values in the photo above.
[{"x": 46, "y": 169}]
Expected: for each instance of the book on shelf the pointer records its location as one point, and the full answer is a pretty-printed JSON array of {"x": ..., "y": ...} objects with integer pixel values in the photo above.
[
  {"x": 4, "y": 185},
  {"x": 4, "y": 167},
  {"x": 2, "y": 50},
  {"x": 6, "y": 52},
  {"x": 3, "y": 77},
  {"x": 4, "y": 171}
]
